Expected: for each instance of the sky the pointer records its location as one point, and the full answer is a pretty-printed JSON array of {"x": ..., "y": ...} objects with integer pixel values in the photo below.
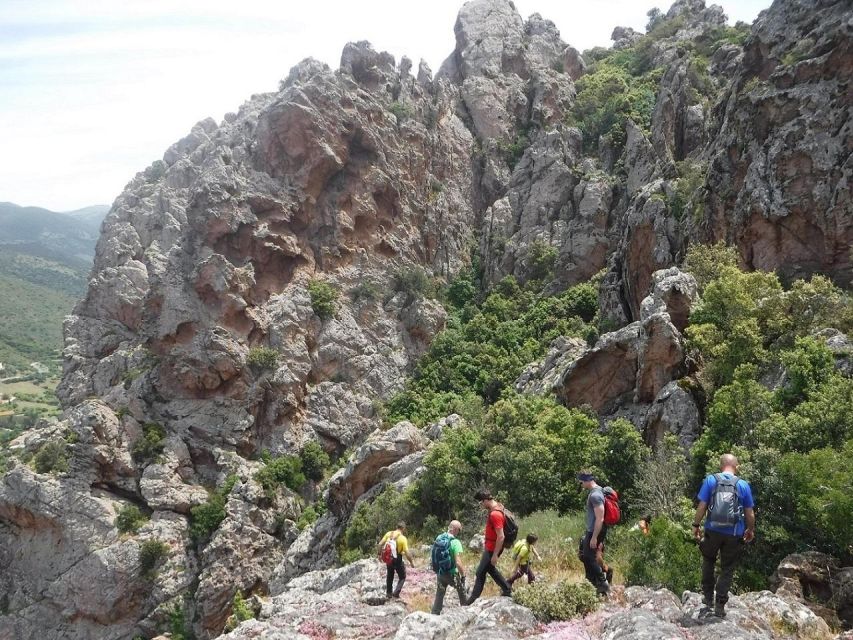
[{"x": 92, "y": 91}]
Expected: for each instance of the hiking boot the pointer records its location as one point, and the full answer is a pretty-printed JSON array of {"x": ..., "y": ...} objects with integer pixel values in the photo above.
[
  {"x": 708, "y": 600},
  {"x": 608, "y": 575},
  {"x": 506, "y": 594},
  {"x": 720, "y": 610}
]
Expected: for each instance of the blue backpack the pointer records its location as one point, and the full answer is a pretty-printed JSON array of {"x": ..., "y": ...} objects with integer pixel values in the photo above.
[
  {"x": 440, "y": 558},
  {"x": 725, "y": 509}
]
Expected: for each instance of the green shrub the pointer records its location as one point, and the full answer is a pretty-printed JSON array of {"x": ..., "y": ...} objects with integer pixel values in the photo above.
[
  {"x": 52, "y": 457},
  {"x": 240, "y": 612},
  {"x": 150, "y": 445},
  {"x": 541, "y": 258},
  {"x": 262, "y": 359},
  {"x": 129, "y": 519},
  {"x": 365, "y": 291},
  {"x": 206, "y": 518},
  {"x": 324, "y": 298},
  {"x": 706, "y": 262},
  {"x": 151, "y": 554},
  {"x": 461, "y": 291},
  {"x": 667, "y": 557},
  {"x": 562, "y": 601},
  {"x": 512, "y": 150},
  {"x": 307, "y": 517},
  {"x": 284, "y": 470},
  {"x": 415, "y": 282},
  {"x": 691, "y": 178},
  {"x": 315, "y": 460},
  {"x": 371, "y": 520},
  {"x": 401, "y": 111}
]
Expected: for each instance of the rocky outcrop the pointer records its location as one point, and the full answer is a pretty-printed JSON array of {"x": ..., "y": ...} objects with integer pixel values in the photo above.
[
  {"x": 778, "y": 186},
  {"x": 349, "y": 602},
  {"x": 819, "y": 582},
  {"x": 202, "y": 343}
]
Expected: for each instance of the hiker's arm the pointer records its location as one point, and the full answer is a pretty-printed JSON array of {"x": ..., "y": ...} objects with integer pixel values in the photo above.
[
  {"x": 599, "y": 522},
  {"x": 701, "y": 508},
  {"x": 459, "y": 566},
  {"x": 499, "y": 544},
  {"x": 409, "y": 556},
  {"x": 536, "y": 553},
  {"x": 749, "y": 534}
]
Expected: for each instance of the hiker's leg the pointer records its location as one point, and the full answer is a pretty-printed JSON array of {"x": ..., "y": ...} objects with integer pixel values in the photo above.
[
  {"x": 459, "y": 583},
  {"x": 480, "y": 580},
  {"x": 389, "y": 579},
  {"x": 530, "y": 576},
  {"x": 516, "y": 575},
  {"x": 731, "y": 550},
  {"x": 441, "y": 582},
  {"x": 593, "y": 570},
  {"x": 401, "y": 576},
  {"x": 499, "y": 579},
  {"x": 708, "y": 547}
]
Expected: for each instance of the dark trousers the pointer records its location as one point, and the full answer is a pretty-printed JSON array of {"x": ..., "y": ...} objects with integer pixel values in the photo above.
[
  {"x": 398, "y": 566},
  {"x": 486, "y": 567},
  {"x": 443, "y": 581},
  {"x": 730, "y": 550},
  {"x": 592, "y": 568},
  {"x": 523, "y": 570}
]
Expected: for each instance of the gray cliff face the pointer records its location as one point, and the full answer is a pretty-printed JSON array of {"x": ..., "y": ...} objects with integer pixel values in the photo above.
[
  {"x": 351, "y": 178},
  {"x": 780, "y": 174}
]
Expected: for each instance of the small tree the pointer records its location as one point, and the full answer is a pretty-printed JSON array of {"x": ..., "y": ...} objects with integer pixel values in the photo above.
[
  {"x": 323, "y": 298},
  {"x": 262, "y": 359},
  {"x": 129, "y": 519},
  {"x": 661, "y": 482},
  {"x": 315, "y": 460},
  {"x": 151, "y": 553}
]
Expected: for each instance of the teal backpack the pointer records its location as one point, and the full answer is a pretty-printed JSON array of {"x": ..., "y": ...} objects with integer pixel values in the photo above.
[{"x": 440, "y": 557}]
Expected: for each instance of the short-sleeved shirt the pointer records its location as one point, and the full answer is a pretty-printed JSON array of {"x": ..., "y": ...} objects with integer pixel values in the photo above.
[
  {"x": 402, "y": 543},
  {"x": 455, "y": 550},
  {"x": 494, "y": 521},
  {"x": 593, "y": 500},
  {"x": 744, "y": 492},
  {"x": 521, "y": 551}
]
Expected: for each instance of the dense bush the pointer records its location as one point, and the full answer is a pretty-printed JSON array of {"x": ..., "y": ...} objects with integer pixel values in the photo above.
[
  {"x": 150, "y": 445},
  {"x": 240, "y": 612},
  {"x": 608, "y": 97},
  {"x": 401, "y": 111},
  {"x": 667, "y": 557},
  {"x": 314, "y": 460},
  {"x": 483, "y": 351},
  {"x": 706, "y": 262},
  {"x": 262, "y": 359},
  {"x": 528, "y": 451},
  {"x": 370, "y": 521},
  {"x": 561, "y": 601},
  {"x": 415, "y": 282},
  {"x": 52, "y": 457},
  {"x": 206, "y": 518},
  {"x": 129, "y": 519},
  {"x": 151, "y": 554},
  {"x": 324, "y": 298},
  {"x": 284, "y": 470}
]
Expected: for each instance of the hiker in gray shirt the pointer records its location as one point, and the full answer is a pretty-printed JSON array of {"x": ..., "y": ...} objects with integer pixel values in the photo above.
[{"x": 595, "y": 533}]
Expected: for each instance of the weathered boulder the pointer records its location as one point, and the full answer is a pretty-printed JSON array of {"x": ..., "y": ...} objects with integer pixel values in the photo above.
[
  {"x": 380, "y": 450},
  {"x": 673, "y": 411}
]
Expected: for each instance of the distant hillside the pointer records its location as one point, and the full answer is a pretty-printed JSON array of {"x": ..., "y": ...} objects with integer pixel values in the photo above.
[
  {"x": 45, "y": 258},
  {"x": 71, "y": 235}
]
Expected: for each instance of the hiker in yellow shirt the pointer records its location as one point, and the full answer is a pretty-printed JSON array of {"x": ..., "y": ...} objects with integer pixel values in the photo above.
[
  {"x": 521, "y": 551},
  {"x": 392, "y": 548}
]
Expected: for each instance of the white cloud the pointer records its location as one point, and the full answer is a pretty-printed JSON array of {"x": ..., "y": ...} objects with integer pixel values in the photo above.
[{"x": 92, "y": 91}]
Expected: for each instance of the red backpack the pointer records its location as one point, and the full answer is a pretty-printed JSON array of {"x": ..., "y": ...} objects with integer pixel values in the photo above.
[
  {"x": 389, "y": 549},
  {"x": 612, "y": 514}
]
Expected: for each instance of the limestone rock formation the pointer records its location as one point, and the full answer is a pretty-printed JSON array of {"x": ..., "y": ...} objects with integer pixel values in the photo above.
[
  {"x": 204, "y": 345},
  {"x": 779, "y": 181}
]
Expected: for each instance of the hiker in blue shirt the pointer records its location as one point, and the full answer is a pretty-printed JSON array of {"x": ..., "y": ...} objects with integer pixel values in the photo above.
[{"x": 730, "y": 523}]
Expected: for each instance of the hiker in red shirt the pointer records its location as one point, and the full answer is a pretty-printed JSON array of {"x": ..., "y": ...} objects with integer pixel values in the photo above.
[{"x": 493, "y": 547}]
